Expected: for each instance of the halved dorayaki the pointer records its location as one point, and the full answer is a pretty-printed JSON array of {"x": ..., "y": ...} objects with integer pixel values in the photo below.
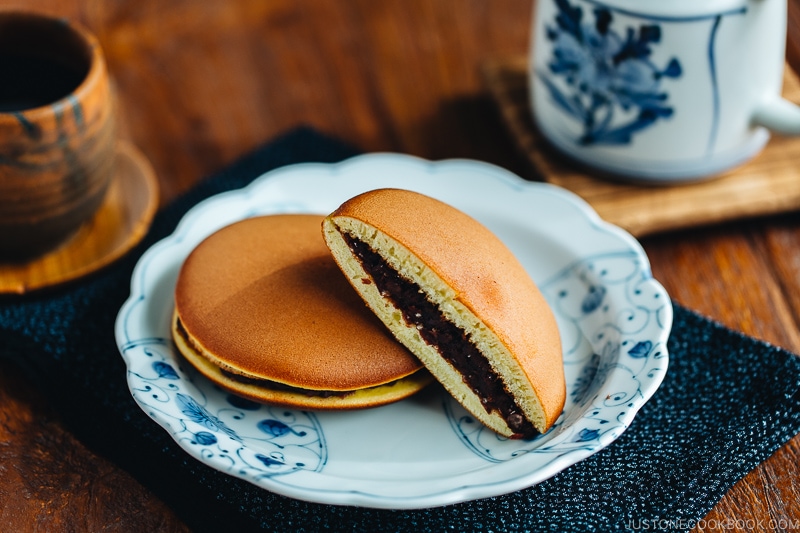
[{"x": 456, "y": 296}]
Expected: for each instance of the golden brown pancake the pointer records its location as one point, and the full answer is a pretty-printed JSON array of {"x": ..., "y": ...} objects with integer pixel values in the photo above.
[
  {"x": 262, "y": 310},
  {"x": 456, "y": 296}
]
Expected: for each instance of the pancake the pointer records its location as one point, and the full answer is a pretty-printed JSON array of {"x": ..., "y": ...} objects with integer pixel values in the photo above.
[
  {"x": 262, "y": 310},
  {"x": 456, "y": 296}
]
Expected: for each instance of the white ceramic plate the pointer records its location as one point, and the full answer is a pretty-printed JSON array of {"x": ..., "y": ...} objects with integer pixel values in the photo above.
[{"x": 424, "y": 451}]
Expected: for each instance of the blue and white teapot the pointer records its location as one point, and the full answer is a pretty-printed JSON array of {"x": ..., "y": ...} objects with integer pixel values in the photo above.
[{"x": 660, "y": 91}]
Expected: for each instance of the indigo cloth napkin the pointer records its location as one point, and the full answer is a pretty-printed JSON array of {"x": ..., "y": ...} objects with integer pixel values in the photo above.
[{"x": 727, "y": 403}]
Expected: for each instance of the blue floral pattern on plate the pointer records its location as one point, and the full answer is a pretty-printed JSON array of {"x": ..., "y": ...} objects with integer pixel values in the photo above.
[
  {"x": 608, "y": 72},
  {"x": 610, "y": 296},
  {"x": 424, "y": 451},
  {"x": 221, "y": 428}
]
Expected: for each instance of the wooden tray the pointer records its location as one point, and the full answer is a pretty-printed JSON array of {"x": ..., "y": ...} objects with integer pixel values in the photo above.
[{"x": 768, "y": 184}]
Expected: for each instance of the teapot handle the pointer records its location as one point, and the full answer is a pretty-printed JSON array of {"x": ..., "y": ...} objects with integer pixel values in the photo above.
[{"x": 779, "y": 116}]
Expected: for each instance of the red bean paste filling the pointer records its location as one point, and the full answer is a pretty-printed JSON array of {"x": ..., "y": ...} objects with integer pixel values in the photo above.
[
  {"x": 316, "y": 393},
  {"x": 274, "y": 385},
  {"x": 452, "y": 342}
]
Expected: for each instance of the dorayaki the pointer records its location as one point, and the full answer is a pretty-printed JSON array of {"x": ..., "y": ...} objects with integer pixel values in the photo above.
[
  {"x": 456, "y": 296},
  {"x": 262, "y": 310}
]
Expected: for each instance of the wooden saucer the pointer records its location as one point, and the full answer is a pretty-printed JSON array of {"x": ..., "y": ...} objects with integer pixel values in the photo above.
[{"x": 120, "y": 223}]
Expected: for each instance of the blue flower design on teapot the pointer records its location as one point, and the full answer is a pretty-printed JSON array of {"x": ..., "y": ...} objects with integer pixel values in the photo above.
[{"x": 612, "y": 86}]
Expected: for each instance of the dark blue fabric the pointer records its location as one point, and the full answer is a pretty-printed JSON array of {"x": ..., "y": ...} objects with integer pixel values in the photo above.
[{"x": 727, "y": 403}]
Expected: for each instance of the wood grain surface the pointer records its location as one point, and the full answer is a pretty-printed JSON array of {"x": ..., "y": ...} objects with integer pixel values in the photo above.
[{"x": 201, "y": 83}]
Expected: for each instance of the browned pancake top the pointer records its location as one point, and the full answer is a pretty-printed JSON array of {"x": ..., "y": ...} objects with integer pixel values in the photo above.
[{"x": 264, "y": 297}]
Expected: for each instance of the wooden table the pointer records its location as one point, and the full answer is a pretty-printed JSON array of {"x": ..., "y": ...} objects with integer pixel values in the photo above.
[{"x": 201, "y": 83}]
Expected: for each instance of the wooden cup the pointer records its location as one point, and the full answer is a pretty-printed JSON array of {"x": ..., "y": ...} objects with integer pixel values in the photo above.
[{"x": 57, "y": 132}]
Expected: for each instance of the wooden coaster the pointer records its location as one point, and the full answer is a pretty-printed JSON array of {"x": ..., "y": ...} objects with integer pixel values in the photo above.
[
  {"x": 119, "y": 224},
  {"x": 768, "y": 184}
]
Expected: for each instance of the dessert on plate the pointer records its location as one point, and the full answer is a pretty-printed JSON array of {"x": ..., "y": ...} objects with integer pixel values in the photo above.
[
  {"x": 262, "y": 310},
  {"x": 449, "y": 290}
]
